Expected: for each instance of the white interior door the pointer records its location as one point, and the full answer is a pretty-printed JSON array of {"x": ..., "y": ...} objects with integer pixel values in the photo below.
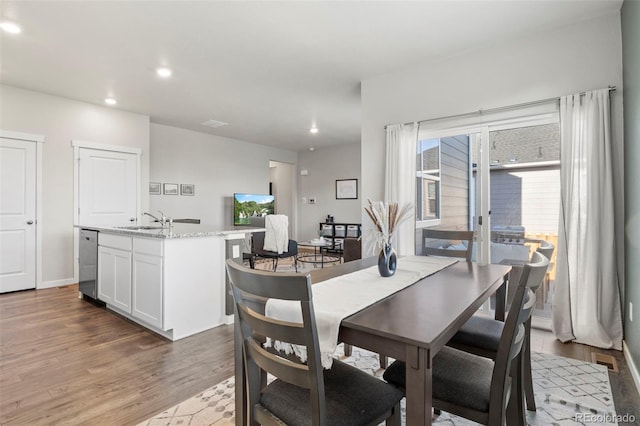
[
  {"x": 17, "y": 215},
  {"x": 108, "y": 187}
]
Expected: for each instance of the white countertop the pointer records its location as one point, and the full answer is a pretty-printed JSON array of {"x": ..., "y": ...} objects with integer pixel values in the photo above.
[{"x": 177, "y": 230}]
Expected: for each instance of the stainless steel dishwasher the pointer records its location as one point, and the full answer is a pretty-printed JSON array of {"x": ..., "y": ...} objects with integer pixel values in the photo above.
[{"x": 88, "y": 263}]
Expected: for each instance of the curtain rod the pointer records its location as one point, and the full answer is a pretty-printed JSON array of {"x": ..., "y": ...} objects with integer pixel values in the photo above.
[{"x": 498, "y": 109}]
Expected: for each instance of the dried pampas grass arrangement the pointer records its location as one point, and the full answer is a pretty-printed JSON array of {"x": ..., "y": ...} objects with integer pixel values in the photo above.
[{"x": 386, "y": 216}]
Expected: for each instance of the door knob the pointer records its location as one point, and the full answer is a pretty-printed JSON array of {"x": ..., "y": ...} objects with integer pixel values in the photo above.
[
  {"x": 132, "y": 219},
  {"x": 29, "y": 222}
]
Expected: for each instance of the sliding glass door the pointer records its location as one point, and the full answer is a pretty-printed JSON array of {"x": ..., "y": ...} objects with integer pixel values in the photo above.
[
  {"x": 499, "y": 179},
  {"x": 525, "y": 198}
]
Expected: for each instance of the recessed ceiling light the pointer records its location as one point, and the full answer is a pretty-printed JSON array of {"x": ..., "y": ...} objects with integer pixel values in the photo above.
[
  {"x": 164, "y": 72},
  {"x": 314, "y": 130},
  {"x": 110, "y": 101},
  {"x": 311, "y": 149},
  {"x": 10, "y": 27}
]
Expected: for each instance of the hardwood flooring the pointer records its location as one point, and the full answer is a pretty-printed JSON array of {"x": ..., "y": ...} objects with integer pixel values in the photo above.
[{"x": 66, "y": 361}]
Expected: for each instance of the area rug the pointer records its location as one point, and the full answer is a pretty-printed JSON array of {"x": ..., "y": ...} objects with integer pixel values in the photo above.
[{"x": 567, "y": 392}]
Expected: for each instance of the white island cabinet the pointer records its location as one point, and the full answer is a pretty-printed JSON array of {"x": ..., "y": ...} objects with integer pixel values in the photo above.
[
  {"x": 147, "y": 284},
  {"x": 170, "y": 281},
  {"x": 114, "y": 271}
]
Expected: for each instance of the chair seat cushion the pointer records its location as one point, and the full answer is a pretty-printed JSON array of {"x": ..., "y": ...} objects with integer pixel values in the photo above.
[
  {"x": 458, "y": 377},
  {"x": 479, "y": 332},
  {"x": 352, "y": 397}
]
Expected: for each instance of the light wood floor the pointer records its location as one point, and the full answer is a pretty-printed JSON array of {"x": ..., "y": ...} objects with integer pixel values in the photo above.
[{"x": 66, "y": 361}]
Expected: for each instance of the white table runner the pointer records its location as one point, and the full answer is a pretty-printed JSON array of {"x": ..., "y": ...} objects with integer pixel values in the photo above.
[{"x": 340, "y": 297}]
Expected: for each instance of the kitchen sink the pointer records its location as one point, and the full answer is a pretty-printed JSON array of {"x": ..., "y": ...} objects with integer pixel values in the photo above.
[{"x": 139, "y": 227}]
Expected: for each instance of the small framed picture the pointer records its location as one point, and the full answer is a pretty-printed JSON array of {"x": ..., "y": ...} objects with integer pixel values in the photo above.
[
  {"x": 170, "y": 189},
  {"x": 346, "y": 189},
  {"x": 187, "y": 189},
  {"x": 154, "y": 188}
]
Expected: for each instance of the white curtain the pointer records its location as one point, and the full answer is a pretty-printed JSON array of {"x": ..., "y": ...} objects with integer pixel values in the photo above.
[
  {"x": 586, "y": 301},
  {"x": 400, "y": 180}
]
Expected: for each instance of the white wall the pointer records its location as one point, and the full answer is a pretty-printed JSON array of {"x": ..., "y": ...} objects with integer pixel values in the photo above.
[
  {"x": 217, "y": 167},
  {"x": 284, "y": 188},
  {"x": 572, "y": 59},
  {"x": 60, "y": 121},
  {"x": 324, "y": 166},
  {"x": 631, "y": 54}
]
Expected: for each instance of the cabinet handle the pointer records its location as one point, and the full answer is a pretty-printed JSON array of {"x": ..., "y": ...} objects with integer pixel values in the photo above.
[{"x": 29, "y": 222}]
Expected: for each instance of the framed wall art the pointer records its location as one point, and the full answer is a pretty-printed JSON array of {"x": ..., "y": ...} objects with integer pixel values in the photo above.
[
  {"x": 346, "y": 189},
  {"x": 155, "y": 188},
  {"x": 170, "y": 189},
  {"x": 187, "y": 189}
]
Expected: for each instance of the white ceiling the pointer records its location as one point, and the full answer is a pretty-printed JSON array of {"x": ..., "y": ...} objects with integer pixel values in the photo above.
[{"x": 269, "y": 69}]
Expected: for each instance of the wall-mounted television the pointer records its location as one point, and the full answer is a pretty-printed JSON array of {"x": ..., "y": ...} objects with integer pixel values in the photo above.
[{"x": 247, "y": 205}]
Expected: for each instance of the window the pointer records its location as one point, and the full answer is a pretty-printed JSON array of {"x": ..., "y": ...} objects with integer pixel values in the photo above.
[{"x": 428, "y": 180}]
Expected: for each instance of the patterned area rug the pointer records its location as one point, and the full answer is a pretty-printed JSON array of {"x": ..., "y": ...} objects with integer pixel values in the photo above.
[{"x": 567, "y": 392}]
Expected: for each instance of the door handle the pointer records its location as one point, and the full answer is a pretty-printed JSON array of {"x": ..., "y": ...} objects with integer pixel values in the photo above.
[{"x": 29, "y": 222}]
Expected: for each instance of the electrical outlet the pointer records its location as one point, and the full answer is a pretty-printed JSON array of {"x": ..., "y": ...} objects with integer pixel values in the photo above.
[
  {"x": 630, "y": 311},
  {"x": 312, "y": 200}
]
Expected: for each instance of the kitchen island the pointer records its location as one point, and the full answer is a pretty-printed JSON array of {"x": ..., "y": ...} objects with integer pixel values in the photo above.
[{"x": 170, "y": 279}]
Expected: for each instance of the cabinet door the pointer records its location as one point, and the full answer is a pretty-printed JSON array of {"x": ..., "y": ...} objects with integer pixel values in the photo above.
[
  {"x": 147, "y": 288},
  {"x": 114, "y": 277}
]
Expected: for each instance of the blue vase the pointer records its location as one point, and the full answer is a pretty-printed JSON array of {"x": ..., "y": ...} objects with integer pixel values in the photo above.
[{"x": 387, "y": 261}]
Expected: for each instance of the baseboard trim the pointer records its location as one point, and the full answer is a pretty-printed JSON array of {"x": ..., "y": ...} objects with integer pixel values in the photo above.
[
  {"x": 632, "y": 365},
  {"x": 56, "y": 283}
]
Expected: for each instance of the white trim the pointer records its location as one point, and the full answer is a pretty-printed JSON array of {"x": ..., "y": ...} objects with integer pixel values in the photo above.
[
  {"x": 58, "y": 283},
  {"x": 421, "y": 224},
  {"x": 105, "y": 147},
  {"x": 514, "y": 116},
  {"x": 21, "y": 136},
  {"x": 39, "y": 218},
  {"x": 39, "y": 139},
  {"x": 526, "y": 121},
  {"x": 632, "y": 365}
]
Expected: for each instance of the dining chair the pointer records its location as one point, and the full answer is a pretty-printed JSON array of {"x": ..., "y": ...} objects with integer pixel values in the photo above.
[
  {"x": 546, "y": 248},
  {"x": 480, "y": 335},
  {"x": 477, "y": 388},
  {"x": 302, "y": 393},
  {"x": 447, "y": 243}
]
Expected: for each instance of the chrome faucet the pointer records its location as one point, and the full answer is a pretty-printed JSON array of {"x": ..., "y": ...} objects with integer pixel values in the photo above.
[{"x": 162, "y": 219}]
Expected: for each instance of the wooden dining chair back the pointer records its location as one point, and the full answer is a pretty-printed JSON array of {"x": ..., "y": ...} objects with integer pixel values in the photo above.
[
  {"x": 481, "y": 335},
  {"x": 445, "y": 243},
  {"x": 303, "y": 393},
  {"x": 546, "y": 248},
  {"x": 476, "y": 387}
]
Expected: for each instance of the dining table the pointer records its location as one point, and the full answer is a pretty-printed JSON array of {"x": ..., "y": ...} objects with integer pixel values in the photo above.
[{"x": 411, "y": 325}]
